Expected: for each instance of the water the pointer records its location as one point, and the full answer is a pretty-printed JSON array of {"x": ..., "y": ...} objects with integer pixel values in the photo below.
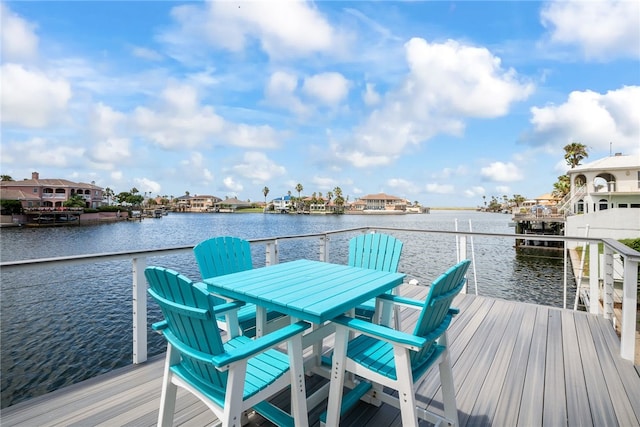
[{"x": 67, "y": 324}]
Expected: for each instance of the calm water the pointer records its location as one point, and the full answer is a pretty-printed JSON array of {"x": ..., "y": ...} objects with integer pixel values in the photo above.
[{"x": 65, "y": 325}]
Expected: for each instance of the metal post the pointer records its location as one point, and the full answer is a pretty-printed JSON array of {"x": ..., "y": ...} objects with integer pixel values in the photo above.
[
  {"x": 594, "y": 288},
  {"x": 608, "y": 282},
  {"x": 462, "y": 248},
  {"x": 139, "y": 310},
  {"x": 271, "y": 253},
  {"x": 324, "y": 248},
  {"x": 629, "y": 309}
]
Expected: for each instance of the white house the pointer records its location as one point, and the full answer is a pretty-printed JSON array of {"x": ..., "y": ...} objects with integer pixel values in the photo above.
[
  {"x": 282, "y": 203},
  {"x": 605, "y": 197}
]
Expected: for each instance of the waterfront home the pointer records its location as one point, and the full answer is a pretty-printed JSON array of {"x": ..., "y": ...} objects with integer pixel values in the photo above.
[
  {"x": 49, "y": 193},
  {"x": 230, "y": 205},
  {"x": 197, "y": 203},
  {"x": 380, "y": 201},
  {"x": 605, "y": 198},
  {"x": 282, "y": 204}
]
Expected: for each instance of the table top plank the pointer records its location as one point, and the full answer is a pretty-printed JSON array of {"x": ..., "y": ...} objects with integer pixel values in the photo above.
[{"x": 311, "y": 290}]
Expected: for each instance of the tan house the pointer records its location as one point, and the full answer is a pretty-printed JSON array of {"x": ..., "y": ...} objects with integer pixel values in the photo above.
[
  {"x": 380, "y": 201},
  {"x": 231, "y": 204},
  {"x": 49, "y": 193}
]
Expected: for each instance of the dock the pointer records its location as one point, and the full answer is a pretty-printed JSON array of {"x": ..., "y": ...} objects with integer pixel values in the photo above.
[{"x": 514, "y": 364}]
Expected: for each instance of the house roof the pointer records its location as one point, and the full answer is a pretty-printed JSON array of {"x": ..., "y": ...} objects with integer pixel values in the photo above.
[
  {"x": 48, "y": 183},
  {"x": 234, "y": 201},
  {"x": 15, "y": 194},
  {"x": 380, "y": 196},
  {"x": 609, "y": 163}
]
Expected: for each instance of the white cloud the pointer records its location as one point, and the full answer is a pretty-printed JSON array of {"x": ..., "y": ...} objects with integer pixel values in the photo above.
[
  {"x": 601, "y": 29},
  {"x": 258, "y": 167},
  {"x": 146, "y": 53},
  {"x": 403, "y": 186},
  {"x": 19, "y": 40},
  {"x": 196, "y": 169},
  {"x": 281, "y": 92},
  {"x": 30, "y": 98},
  {"x": 328, "y": 88},
  {"x": 147, "y": 185},
  {"x": 370, "y": 96},
  {"x": 440, "y": 188},
  {"x": 593, "y": 119},
  {"x": 32, "y": 152},
  {"x": 324, "y": 183},
  {"x": 110, "y": 152},
  {"x": 231, "y": 185},
  {"x": 446, "y": 83},
  {"x": 283, "y": 29},
  {"x": 181, "y": 121},
  {"x": 105, "y": 121},
  {"x": 503, "y": 189},
  {"x": 474, "y": 191},
  {"x": 502, "y": 172}
]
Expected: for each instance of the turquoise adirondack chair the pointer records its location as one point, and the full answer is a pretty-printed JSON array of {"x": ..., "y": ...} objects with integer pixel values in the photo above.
[
  {"x": 384, "y": 357},
  {"x": 225, "y": 255},
  {"x": 231, "y": 377},
  {"x": 377, "y": 251}
]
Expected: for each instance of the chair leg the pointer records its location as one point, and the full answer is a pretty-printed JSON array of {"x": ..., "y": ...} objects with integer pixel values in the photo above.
[
  {"x": 334, "y": 403},
  {"x": 298, "y": 390},
  {"x": 406, "y": 393},
  {"x": 169, "y": 390},
  {"x": 448, "y": 389},
  {"x": 232, "y": 412}
]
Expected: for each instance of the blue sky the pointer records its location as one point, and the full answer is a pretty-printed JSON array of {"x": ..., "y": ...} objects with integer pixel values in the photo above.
[{"x": 439, "y": 102}]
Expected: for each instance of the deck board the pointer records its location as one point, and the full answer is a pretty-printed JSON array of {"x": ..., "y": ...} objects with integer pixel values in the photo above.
[{"x": 513, "y": 364}]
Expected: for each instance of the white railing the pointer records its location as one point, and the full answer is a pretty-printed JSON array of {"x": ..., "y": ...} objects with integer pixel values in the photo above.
[{"x": 138, "y": 259}]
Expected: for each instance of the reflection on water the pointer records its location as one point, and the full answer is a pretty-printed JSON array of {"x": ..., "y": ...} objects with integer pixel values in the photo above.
[{"x": 67, "y": 324}]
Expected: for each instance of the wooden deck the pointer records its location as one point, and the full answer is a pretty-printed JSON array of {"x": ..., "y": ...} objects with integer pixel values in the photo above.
[{"x": 514, "y": 364}]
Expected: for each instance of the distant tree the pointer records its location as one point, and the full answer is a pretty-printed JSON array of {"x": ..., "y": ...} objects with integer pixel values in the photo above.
[
  {"x": 186, "y": 193},
  {"x": 5, "y": 178},
  {"x": 339, "y": 200},
  {"x": 517, "y": 199},
  {"x": 108, "y": 193},
  {"x": 265, "y": 191},
  {"x": 75, "y": 201},
  {"x": 299, "y": 189},
  {"x": 561, "y": 187},
  {"x": 574, "y": 153}
]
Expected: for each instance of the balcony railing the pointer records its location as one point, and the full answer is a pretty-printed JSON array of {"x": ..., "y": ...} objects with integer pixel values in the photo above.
[{"x": 630, "y": 260}]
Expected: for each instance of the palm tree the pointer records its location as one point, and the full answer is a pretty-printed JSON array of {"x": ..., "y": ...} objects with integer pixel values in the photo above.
[
  {"x": 108, "y": 193},
  {"x": 574, "y": 153},
  {"x": 5, "y": 178},
  {"x": 339, "y": 200},
  {"x": 299, "y": 189},
  {"x": 265, "y": 191}
]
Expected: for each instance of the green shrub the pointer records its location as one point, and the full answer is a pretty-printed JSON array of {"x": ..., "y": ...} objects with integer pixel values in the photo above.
[{"x": 632, "y": 243}]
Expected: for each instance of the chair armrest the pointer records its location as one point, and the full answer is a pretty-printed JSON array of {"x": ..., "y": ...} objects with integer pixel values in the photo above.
[
  {"x": 259, "y": 345},
  {"x": 223, "y": 308},
  {"x": 382, "y": 332},
  {"x": 159, "y": 326},
  {"x": 404, "y": 301}
]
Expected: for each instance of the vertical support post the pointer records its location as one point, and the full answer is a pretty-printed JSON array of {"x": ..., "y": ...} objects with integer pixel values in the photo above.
[
  {"x": 324, "y": 248},
  {"x": 271, "y": 253},
  {"x": 629, "y": 309},
  {"x": 608, "y": 282},
  {"x": 462, "y": 254},
  {"x": 139, "y": 311},
  {"x": 594, "y": 286},
  {"x": 565, "y": 250}
]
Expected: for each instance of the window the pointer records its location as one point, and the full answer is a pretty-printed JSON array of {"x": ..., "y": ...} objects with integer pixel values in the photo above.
[
  {"x": 622, "y": 205},
  {"x": 580, "y": 206},
  {"x": 35, "y": 190},
  {"x": 602, "y": 204}
]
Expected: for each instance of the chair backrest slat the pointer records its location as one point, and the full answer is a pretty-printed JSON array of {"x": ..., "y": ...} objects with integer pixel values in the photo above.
[
  {"x": 223, "y": 255},
  {"x": 377, "y": 251},
  {"x": 441, "y": 294},
  {"x": 190, "y": 319}
]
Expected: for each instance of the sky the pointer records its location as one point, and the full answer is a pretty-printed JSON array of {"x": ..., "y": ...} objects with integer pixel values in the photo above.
[{"x": 439, "y": 102}]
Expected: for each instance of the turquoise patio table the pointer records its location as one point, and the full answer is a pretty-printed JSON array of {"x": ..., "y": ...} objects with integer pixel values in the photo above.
[{"x": 315, "y": 291}]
